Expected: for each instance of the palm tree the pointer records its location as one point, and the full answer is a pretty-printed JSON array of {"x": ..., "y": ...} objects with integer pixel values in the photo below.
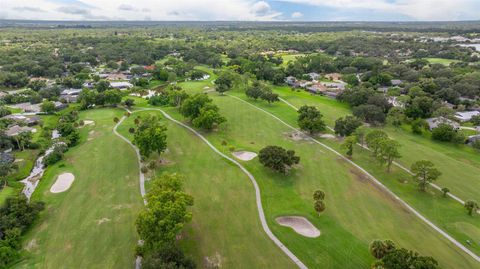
[{"x": 378, "y": 248}]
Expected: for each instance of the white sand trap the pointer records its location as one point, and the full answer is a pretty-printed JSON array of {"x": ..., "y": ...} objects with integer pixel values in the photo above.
[
  {"x": 63, "y": 183},
  {"x": 244, "y": 155},
  {"x": 328, "y": 136},
  {"x": 88, "y": 122},
  {"x": 300, "y": 225}
]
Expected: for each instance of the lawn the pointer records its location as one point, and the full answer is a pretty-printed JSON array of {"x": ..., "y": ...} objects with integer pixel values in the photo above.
[
  {"x": 92, "y": 224},
  {"x": 441, "y": 61},
  {"x": 289, "y": 57},
  {"x": 352, "y": 201},
  {"x": 5, "y": 192},
  {"x": 225, "y": 220}
]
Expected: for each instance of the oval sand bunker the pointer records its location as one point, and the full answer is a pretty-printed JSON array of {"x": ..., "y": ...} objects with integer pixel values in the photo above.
[
  {"x": 300, "y": 225},
  {"x": 244, "y": 155},
  {"x": 63, "y": 183}
]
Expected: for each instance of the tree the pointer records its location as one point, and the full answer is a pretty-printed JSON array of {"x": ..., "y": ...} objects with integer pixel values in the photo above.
[
  {"x": 48, "y": 107},
  {"x": 360, "y": 133},
  {"x": 424, "y": 172},
  {"x": 378, "y": 248},
  {"x": 373, "y": 140},
  {"x": 208, "y": 118},
  {"x": 102, "y": 86},
  {"x": 403, "y": 258},
  {"x": 319, "y": 206},
  {"x": 190, "y": 108},
  {"x": 277, "y": 158},
  {"x": 445, "y": 191},
  {"x": 345, "y": 126},
  {"x": 310, "y": 119},
  {"x": 396, "y": 116},
  {"x": 349, "y": 144},
  {"x": 388, "y": 152},
  {"x": 418, "y": 125},
  {"x": 165, "y": 213},
  {"x": 224, "y": 82},
  {"x": 269, "y": 96},
  {"x": 255, "y": 91},
  {"x": 471, "y": 207},
  {"x": 369, "y": 113},
  {"x": 150, "y": 136},
  {"x": 129, "y": 103},
  {"x": 319, "y": 195},
  {"x": 112, "y": 97}
]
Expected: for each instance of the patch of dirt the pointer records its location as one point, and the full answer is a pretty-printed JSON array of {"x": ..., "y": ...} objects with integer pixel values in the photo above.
[
  {"x": 18, "y": 160},
  {"x": 32, "y": 245},
  {"x": 214, "y": 261},
  {"x": 327, "y": 136},
  {"x": 103, "y": 220},
  {"x": 297, "y": 136}
]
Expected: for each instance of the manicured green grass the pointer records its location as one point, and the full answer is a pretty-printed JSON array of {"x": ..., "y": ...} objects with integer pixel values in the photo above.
[
  {"x": 6, "y": 192},
  {"x": 91, "y": 225},
  {"x": 446, "y": 213},
  {"x": 357, "y": 212},
  {"x": 289, "y": 57},
  {"x": 27, "y": 158},
  {"x": 441, "y": 61},
  {"x": 225, "y": 219}
]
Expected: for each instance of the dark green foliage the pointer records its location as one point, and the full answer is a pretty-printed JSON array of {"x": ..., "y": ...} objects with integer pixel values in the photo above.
[
  {"x": 403, "y": 258},
  {"x": 16, "y": 216},
  {"x": 55, "y": 156},
  {"x": 347, "y": 125},
  {"x": 369, "y": 113},
  {"x": 168, "y": 257},
  {"x": 310, "y": 119},
  {"x": 277, "y": 158},
  {"x": 447, "y": 133},
  {"x": 150, "y": 136}
]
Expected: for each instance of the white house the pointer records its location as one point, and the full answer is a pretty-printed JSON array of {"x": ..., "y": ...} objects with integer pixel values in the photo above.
[
  {"x": 466, "y": 115},
  {"x": 121, "y": 85}
]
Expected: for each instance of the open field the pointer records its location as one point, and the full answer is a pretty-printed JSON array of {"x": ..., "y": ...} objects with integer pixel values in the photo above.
[
  {"x": 5, "y": 193},
  {"x": 235, "y": 235},
  {"x": 346, "y": 231},
  {"x": 289, "y": 57},
  {"x": 441, "y": 61},
  {"x": 92, "y": 224}
]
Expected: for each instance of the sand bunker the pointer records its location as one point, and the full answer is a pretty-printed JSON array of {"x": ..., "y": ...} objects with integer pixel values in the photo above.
[
  {"x": 88, "y": 122},
  {"x": 300, "y": 225},
  {"x": 63, "y": 183},
  {"x": 244, "y": 155},
  {"x": 328, "y": 136},
  {"x": 297, "y": 136}
]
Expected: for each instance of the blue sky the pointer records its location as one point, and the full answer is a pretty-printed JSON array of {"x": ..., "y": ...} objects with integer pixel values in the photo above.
[{"x": 250, "y": 10}]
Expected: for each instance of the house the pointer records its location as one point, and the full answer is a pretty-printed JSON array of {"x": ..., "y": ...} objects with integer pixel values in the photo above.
[
  {"x": 16, "y": 130},
  {"x": 396, "y": 82},
  {"x": 473, "y": 138},
  {"x": 121, "y": 85},
  {"x": 313, "y": 75},
  {"x": 334, "y": 76},
  {"x": 316, "y": 88},
  {"x": 435, "y": 122},
  {"x": 71, "y": 92},
  {"x": 334, "y": 85},
  {"x": 466, "y": 115},
  {"x": 28, "y": 107},
  {"x": 290, "y": 80},
  {"x": 60, "y": 105},
  {"x": 22, "y": 119}
]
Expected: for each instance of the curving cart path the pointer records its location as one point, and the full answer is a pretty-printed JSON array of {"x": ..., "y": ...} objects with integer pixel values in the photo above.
[
  {"x": 375, "y": 180},
  {"x": 258, "y": 198}
]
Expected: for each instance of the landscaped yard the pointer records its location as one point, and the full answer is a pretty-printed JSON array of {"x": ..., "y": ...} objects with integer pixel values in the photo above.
[{"x": 91, "y": 225}]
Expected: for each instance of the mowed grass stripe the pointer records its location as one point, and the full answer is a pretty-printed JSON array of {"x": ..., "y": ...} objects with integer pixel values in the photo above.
[{"x": 92, "y": 224}]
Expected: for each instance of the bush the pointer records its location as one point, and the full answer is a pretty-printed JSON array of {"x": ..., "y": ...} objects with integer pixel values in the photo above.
[{"x": 144, "y": 169}]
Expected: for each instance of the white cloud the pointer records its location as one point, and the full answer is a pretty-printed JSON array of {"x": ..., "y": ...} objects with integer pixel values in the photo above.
[
  {"x": 297, "y": 15},
  {"x": 415, "y": 9},
  {"x": 159, "y": 10}
]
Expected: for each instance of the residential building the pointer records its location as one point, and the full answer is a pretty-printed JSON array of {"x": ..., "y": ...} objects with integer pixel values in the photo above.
[
  {"x": 435, "y": 122},
  {"x": 16, "y": 130},
  {"x": 22, "y": 119},
  {"x": 121, "y": 85},
  {"x": 466, "y": 115}
]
